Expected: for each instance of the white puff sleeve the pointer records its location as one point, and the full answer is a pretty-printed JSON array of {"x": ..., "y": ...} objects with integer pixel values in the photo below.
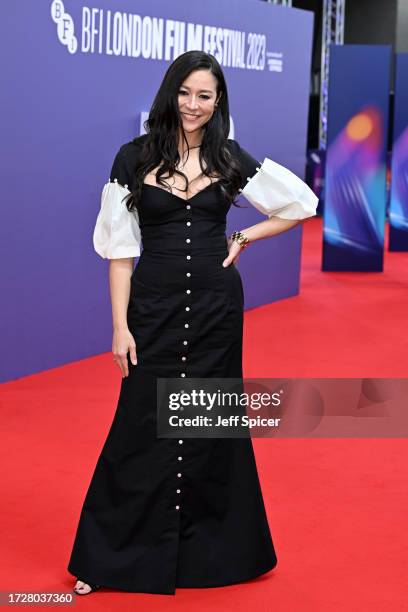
[
  {"x": 273, "y": 189},
  {"x": 277, "y": 192},
  {"x": 117, "y": 231}
]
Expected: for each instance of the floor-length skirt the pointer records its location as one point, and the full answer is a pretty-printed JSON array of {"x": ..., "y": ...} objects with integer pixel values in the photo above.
[{"x": 162, "y": 513}]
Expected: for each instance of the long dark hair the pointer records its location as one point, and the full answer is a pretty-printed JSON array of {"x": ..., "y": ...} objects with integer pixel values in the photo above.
[{"x": 160, "y": 144}]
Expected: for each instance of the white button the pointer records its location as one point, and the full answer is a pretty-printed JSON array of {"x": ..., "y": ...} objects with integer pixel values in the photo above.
[
  {"x": 188, "y": 206},
  {"x": 188, "y": 291},
  {"x": 177, "y": 507},
  {"x": 180, "y": 441},
  {"x": 188, "y": 240},
  {"x": 178, "y": 491},
  {"x": 188, "y": 256},
  {"x": 187, "y": 308},
  {"x": 186, "y": 325},
  {"x": 185, "y": 342},
  {"x": 188, "y": 274},
  {"x": 182, "y": 375},
  {"x": 188, "y": 223},
  {"x": 179, "y": 475},
  {"x": 179, "y": 458},
  {"x": 183, "y": 358}
]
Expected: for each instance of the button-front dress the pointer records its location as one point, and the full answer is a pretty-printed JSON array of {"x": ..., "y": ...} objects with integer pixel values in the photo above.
[{"x": 164, "y": 513}]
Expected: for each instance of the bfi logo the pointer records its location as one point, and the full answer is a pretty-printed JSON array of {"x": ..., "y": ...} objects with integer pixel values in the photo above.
[{"x": 65, "y": 26}]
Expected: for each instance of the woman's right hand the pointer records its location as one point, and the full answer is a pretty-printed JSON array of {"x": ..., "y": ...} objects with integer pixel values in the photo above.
[{"x": 122, "y": 343}]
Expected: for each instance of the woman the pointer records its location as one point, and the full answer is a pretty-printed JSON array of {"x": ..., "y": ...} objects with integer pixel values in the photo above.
[{"x": 164, "y": 513}]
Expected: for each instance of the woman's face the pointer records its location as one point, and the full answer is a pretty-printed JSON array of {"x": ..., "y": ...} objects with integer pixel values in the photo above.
[{"x": 196, "y": 99}]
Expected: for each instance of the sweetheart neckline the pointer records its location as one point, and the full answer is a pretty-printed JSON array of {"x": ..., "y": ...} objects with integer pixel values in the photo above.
[{"x": 179, "y": 197}]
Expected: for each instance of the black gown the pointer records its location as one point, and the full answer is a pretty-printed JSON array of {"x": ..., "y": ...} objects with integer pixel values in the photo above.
[{"x": 163, "y": 513}]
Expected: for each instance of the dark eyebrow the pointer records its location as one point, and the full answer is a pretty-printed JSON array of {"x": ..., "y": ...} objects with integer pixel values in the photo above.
[{"x": 201, "y": 90}]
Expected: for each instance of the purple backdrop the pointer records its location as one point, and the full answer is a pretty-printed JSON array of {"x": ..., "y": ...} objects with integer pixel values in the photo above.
[{"x": 71, "y": 95}]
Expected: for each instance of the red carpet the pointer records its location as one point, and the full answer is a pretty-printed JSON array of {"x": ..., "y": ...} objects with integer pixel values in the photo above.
[{"x": 337, "y": 507}]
